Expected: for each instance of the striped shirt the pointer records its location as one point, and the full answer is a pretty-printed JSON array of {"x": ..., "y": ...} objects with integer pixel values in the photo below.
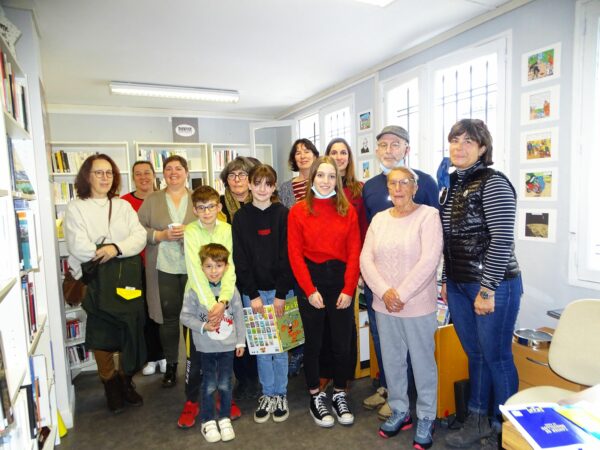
[
  {"x": 299, "y": 189},
  {"x": 499, "y": 209}
]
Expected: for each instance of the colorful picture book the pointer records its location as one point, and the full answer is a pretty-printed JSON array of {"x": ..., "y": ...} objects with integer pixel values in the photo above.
[
  {"x": 266, "y": 333},
  {"x": 545, "y": 428}
]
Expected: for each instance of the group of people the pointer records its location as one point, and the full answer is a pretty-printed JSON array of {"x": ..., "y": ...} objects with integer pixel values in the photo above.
[{"x": 207, "y": 256}]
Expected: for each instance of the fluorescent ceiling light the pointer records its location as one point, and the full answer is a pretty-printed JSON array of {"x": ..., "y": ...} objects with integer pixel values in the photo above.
[
  {"x": 382, "y": 3},
  {"x": 177, "y": 92}
]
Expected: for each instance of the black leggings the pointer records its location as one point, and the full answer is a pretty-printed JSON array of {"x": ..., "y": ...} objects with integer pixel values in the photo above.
[{"x": 328, "y": 277}]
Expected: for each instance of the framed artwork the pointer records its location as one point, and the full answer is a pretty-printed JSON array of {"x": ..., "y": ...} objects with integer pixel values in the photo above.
[
  {"x": 365, "y": 141},
  {"x": 537, "y": 225},
  {"x": 538, "y": 184},
  {"x": 541, "y": 64},
  {"x": 540, "y": 106},
  {"x": 365, "y": 120},
  {"x": 539, "y": 145},
  {"x": 366, "y": 169}
]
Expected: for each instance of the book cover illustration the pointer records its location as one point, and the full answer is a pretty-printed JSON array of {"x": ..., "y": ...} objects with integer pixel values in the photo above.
[
  {"x": 266, "y": 333},
  {"x": 544, "y": 428},
  {"x": 584, "y": 414},
  {"x": 20, "y": 179}
]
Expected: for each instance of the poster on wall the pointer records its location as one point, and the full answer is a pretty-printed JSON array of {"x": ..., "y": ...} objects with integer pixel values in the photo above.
[
  {"x": 538, "y": 184},
  {"x": 365, "y": 120},
  {"x": 537, "y": 225},
  {"x": 366, "y": 169},
  {"x": 540, "y": 106},
  {"x": 539, "y": 145},
  {"x": 541, "y": 64},
  {"x": 185, "y": 129},
  {"x": 366, "y": 145}
]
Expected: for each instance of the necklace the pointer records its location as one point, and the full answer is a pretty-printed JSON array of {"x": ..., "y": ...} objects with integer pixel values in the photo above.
[
  {"x": 404, "y": 212},
  {"x": 100, "y": 202}
]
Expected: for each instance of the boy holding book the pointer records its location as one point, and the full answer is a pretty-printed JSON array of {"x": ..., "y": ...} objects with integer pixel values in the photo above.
[{"x": 216, "y": 339}]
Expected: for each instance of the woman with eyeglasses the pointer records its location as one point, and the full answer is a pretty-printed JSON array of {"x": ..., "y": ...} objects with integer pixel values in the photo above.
[
  {"x": 399, "y": 262},
  {"x": 101, "y": 227},
  {"x": 481, "y": 278},
  {"x": 323, "y": 248},
  {"x": 235, "y": 179},
  {"x": 164, "y": 215},
  {"x": 143, "y": 175}
]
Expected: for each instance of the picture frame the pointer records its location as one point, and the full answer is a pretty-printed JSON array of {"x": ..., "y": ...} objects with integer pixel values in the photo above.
[
  {"x": 541, "y": 105},
  {"x": 538, "y": 184},
  {"x": 365, "y": 120},
  {"x": 537, "y": 146},
  {"x": 366, "y": 169},
  {"x": 364, "y": 144},
  {"x": 541, "y": 64},
  {"x": 538, "y": 225}
]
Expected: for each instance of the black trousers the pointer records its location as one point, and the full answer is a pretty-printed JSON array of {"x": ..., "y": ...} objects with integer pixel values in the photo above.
[
  {"x": 328, "y": 277},
  {"x": 193, "y": 368}
]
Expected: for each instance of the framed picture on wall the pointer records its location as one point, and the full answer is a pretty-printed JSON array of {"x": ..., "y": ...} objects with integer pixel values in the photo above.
[
  {"x": 365, "y": 169},
  {"x": 540, "y": 105},
  {"x": 365, "y": 120},
  {"x": 539, "y": 145},
  {"x": 537, "y": 225},
  {"x": 538, "y": 184},
  {"x": 365, "y": 144},
  {"x": 541, "y": 64}
]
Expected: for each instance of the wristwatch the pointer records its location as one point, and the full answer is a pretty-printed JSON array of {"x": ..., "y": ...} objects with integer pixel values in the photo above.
[
  {"x": 486, "y": 295},
  {"x": 225, "y": 302}
]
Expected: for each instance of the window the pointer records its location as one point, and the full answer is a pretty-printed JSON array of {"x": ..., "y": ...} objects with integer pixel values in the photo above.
[
  {"x": 584, "y": 248},
  {"x": 309, "y": 128},
  {"x": 337, "y": 124},
  {"x": 427, "y": 102}
]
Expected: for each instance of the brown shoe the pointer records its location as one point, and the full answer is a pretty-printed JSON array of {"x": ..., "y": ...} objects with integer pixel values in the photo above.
[
  {"x": 384, "y": 412},
  {"x": 130, "y": 395},
  {"x": 377, "y": 399},
  {"x": 114, "y": 394}
]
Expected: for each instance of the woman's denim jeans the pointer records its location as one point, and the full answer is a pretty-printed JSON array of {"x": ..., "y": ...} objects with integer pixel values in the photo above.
[
  {"x": 487, "y": 341},
  {"x": 272, "y": 368}
]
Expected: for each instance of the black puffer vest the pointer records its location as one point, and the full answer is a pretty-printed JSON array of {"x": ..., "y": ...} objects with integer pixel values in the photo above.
[{"x": 469, "y": 237}]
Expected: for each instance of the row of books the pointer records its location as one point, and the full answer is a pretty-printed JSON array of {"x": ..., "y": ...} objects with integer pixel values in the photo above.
[
  {"x": 75, "y": 329},
  {"x": 28, "y": 296},
  {"x": 6, "y": 410},
  {"x": 64, "y": 192},
  {"x": 222, "y": 157},
  {"x": 69, "y": 162},
  {"x": 78, "y": 355},
  {"x": 157, "y": 157},
  {"x": 26, "y": 235},
  {"x": 13, "y": 93}
]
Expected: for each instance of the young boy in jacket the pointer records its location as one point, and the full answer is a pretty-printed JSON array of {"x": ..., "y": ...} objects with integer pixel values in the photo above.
[{"x": 216, "y": 340}]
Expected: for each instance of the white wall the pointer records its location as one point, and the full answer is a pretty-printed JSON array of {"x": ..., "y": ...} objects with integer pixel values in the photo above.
[{"x": 540, "y": 23}]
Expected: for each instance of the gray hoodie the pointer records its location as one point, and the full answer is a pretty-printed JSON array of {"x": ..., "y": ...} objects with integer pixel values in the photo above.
[{"x": 230, "y": 335}]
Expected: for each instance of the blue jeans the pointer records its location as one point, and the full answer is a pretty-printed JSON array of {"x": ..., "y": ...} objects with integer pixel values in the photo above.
[
  {"x": 217, "y": 374},
  {"x": 273, "y": 368},
  {"x": 375, "y": 334},
  {"x": 487, "y": 341}
]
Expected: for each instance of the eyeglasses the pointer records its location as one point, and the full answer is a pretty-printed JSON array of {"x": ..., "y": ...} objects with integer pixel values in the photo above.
[
  {"x": 240, "y": 176},
  {"x": 393, "y": 145},
  {"x": 103, "y": 173},
  {"x": 209, "y": 208},
  {"x": 403, "y": 182}
]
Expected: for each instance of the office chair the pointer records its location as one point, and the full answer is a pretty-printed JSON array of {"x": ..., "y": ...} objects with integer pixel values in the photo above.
[{"x": 573, "y": 353}]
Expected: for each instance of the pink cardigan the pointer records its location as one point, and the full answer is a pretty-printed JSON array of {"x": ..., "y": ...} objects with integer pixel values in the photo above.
[{"x": 404, "y": 253}]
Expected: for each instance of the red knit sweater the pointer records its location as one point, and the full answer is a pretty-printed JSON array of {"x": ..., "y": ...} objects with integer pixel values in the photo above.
[{"x": 322, "y": 236}]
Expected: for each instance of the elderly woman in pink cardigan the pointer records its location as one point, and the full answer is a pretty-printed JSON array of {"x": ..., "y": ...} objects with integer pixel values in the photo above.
[{"x": 399, "y": 262}]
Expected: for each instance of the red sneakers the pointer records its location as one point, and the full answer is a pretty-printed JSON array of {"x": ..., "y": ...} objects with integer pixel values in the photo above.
[
  {"x": 236, "y": 412},
  {"x": 187, "y": 419}
]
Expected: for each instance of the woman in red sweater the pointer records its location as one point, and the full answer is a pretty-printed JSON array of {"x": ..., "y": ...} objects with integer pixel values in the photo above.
[{"x": 324, "y": 247}]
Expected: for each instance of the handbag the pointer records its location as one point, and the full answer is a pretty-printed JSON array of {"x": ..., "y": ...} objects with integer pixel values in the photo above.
[{"x": 73, "y": 290}]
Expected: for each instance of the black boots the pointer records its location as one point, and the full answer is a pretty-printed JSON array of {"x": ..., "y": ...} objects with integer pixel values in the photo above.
[
  {"x": 114, "y": 394},
  {"x": 129, "y": 393},
  {"x": 170, "y": 378}
]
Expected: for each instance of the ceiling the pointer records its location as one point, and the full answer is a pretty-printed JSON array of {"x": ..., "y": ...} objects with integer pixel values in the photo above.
[{"x": 276, "y": 53}]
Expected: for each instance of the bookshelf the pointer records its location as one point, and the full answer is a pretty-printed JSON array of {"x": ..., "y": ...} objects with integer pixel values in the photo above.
[
  {"x": 221, "y": 154},
  {"x": 27, "y": 365},
  {"x": 66, "y": 159},
  {"x": 196, "y": 156}
]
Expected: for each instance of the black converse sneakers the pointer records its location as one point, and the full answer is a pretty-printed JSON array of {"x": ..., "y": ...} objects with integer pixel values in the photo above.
[
  {"x": 319, "y": 411},
  {"x": 265, "y": 406},
  {"x": 280, "y": 408},
  {"x": 341, "y": 409}
]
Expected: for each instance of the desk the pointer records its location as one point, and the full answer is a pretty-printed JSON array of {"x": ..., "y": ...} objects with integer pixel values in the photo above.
[{"x": 512, "y": 438}]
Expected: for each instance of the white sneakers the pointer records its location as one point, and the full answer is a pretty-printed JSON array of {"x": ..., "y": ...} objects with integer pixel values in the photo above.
[
  {"x": 211, "y": 432},
  {"x": 151, "y": 366}
]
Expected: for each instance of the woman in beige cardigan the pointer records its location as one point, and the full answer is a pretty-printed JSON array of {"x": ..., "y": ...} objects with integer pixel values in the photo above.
[{"x": 164, "y": 214}]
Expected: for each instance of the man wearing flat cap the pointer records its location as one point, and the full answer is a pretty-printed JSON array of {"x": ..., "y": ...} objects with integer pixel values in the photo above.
[{"x": 392, "y": 148}]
